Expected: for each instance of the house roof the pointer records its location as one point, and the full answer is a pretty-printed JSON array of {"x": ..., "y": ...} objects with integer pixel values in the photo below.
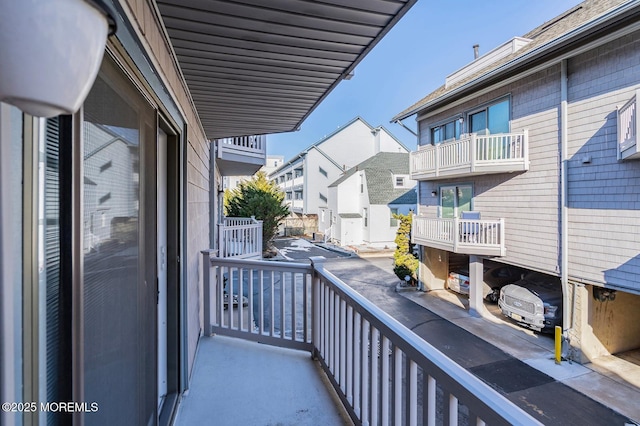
[
  {"x": 586, "y": 23},
  {"x": 379, "y": 171},
  {"x": 257, "y": 67},
  {"x": 316, "y": 145}
]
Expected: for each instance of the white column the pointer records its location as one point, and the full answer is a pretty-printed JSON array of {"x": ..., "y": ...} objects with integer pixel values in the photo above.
[{"x": 476, "y": 305}]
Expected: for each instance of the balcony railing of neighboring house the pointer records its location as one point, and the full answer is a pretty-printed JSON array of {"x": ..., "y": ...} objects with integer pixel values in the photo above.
[
  {"x": 484, "y": 237},
  {"x": 382, "y": 371},
  {"x": 240, "y": 238},
  {"x": 472, "y": 155},
  {"x": 241, "y": 156},
  {"x": 627, "y": 130}
]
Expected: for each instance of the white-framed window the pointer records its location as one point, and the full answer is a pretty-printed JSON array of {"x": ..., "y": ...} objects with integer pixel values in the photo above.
[
  {"x": 449, "y": 130},
  {"x": 399, "y": 181},
  {"x": 322, "y": 171},
  {"x": 323, "y": 198},
  {"x": 362, "y": 183},
  {"x": 365, "y": 216},
  {"x": 393, "y": 221},
  {"x": 490, "y": 119}
]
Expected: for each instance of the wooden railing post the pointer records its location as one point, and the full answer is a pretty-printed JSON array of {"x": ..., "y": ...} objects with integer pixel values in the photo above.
[
  {"x": 206, "y": 289},
  {"x": 317, "y": 264}
]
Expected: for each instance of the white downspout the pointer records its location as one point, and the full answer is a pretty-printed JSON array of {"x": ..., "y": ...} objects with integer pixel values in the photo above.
[{"x": 564, "y": 221}]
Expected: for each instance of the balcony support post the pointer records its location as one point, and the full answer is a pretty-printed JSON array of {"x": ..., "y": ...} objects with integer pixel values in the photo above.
[
  {"x": 456, "y": 233},
  {"x": 476, "y": 307}
]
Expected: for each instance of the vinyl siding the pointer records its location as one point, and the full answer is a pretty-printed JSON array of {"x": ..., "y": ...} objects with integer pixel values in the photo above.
[{"x": 604, "y": 195}]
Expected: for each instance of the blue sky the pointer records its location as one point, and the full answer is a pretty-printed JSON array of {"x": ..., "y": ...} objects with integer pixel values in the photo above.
[{"x": 431, "y": 41}]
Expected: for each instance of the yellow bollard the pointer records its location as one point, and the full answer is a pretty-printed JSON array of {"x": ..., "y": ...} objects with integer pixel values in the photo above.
[{"x": 558, "y": 344}]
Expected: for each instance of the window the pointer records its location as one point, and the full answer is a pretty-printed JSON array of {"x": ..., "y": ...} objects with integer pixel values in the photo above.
[
  {"x": 322, "y": 171},
  {"x": 365, "y": 215},
  {"x": 399, "y": 181},
  {"x": 447, "y": 131},
  {"x": 455, "y": 199},
  {"x": 491, "y": 119},
  {"x": 297, "y": 173},
  {"x": 298, "y": 195},
  {"x": 323, "y": 198},
  {"x": 289, "y": 176},
  {"x": 288, "y": 195},
  {"x": 362, "y": 184},
  {"x": 393, "y": 221}
]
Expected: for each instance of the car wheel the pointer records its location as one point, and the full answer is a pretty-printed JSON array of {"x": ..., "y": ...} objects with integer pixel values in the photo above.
[{"x": 493, "y": 296}]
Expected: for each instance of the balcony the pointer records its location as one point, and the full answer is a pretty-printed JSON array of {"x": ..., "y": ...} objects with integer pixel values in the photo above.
[
  {"x": 627, "y": 130},
  {"x": 241, "y": 156},
  {"x": 472, "y": 155},
  {"x": 240, "y": 238},
  {"x": 482, "y": 237},
  {"x": 381, "y": 372}
]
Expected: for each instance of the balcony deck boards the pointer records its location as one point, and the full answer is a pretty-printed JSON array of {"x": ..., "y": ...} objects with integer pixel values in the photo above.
[{"x": 237, "y": 382}]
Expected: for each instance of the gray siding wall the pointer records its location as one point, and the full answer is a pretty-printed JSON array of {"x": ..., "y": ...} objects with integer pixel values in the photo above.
[
  {"x": 197, "y": 236},
  {"x": 604, "y": 195}
]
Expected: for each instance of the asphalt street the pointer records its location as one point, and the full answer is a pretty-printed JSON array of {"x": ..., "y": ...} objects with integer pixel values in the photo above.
[{"x": 549, "y": 401}]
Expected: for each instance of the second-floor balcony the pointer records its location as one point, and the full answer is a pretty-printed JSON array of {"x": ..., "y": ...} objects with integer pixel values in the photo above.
[
  {"x": 482, "y": 237},
  {"x": 241, "y": 156},
  {"x": 628, "y": 147},
  {"x": 381, "y": 372},
  {"x": 472, "y": 155}
]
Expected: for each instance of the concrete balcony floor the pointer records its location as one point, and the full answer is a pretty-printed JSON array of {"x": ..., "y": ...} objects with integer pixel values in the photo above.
[{"x": 237, "y": 382}]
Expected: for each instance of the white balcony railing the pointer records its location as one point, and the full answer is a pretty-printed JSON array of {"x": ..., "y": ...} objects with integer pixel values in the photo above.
[
  {"x": 382, "y": 371},
  {"x": 467, "y": 236},
  {"x": 240, "y": 238},
  {"x": 249, "y": 145},
  {"x": 627, "y": 130},
  {"x": 241, "y": 156},
  {"x": 471, "y": 155}
]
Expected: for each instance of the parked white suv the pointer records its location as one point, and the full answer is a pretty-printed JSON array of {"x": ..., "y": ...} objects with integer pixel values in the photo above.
[{"x": 535, "y": 301}]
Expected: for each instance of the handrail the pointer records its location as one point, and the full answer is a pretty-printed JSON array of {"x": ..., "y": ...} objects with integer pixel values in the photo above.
[
  {"x": 627, "y": 125},
  {"x": 376, "y": 365},
  {"x": 471, "y": 151}
]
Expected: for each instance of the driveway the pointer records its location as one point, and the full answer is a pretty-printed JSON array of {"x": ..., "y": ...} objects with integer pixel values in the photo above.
[{"x": 301, "y": 249}]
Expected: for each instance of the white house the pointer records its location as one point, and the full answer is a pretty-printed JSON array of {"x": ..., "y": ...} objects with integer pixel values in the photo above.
[
  {"x": 362, "y": 202},
  {"x": 306, "y": 177}
]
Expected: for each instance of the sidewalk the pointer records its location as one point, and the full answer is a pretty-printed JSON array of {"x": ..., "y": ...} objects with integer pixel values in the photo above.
[{"x": 516, "y": 362}]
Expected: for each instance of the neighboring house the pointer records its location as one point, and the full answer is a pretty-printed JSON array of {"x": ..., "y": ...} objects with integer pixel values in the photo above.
[
  {"x": 539, "y": 137},
  {"x": 362, "y": 202},
  {"x": 306, "y": 177},
  {"x": 104, "y": 213}
]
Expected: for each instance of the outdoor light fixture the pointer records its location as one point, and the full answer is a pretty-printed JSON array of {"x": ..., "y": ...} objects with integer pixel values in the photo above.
[
  {"x": 50, "y": 52},
  {"x": 434, "y": 193}
]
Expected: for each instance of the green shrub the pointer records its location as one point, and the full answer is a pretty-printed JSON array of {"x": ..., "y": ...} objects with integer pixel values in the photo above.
[
  {"x": 404, "y": 260},
  {"x": 260, "y": 198}
]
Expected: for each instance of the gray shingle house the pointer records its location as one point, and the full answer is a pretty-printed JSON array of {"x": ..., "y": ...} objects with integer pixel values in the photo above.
[
  {"x": 539, "y": 136},
  {"x": 361, "y": 203}
]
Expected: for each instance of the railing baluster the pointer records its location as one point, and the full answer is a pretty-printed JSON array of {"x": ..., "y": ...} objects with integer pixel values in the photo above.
[
  {"x": 283, "y": 316},
  {"x": 397, "y": 386},
  {"x": 261, "y": 301},
  {"x": 376, "y": 351},
  {"x": 367, "y": 353},
  {"x": 431, "y": 397},
  {"x": 385, "y": 403},
  {"x": 272, "y": 310},
  {"x": 413, "y": 393},
  {"x": 240, "y": 294}
]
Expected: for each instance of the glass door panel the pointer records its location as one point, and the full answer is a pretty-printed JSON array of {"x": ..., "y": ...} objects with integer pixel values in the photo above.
[{"x": 447, "y": 201}]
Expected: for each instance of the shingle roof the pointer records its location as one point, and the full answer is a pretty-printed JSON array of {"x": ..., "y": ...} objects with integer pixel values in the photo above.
[
  {"x": 562, "y": 26},
  {"x": 379, "y": 171}
]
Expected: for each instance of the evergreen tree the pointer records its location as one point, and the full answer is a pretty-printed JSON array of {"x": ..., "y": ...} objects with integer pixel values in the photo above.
[
  {"x": 260, "y": 198},
  {"x": 404, "y": 260}
]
